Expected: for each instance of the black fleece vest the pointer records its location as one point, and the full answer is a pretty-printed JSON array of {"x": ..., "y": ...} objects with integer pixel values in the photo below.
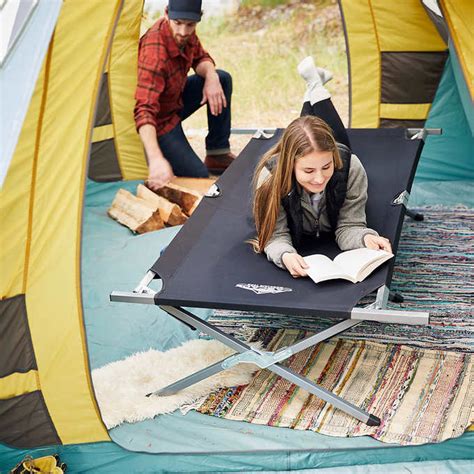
[{"x": 335, "y": 191}]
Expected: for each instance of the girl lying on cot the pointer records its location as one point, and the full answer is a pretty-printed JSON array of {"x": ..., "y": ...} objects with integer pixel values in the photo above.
[{"x": 310, "y": 182}]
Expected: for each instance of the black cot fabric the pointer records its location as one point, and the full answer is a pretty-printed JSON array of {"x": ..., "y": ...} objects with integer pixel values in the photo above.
[
  {"x": 411, "y": 77},
  {"x": 15, "y": 338},
  {"x": 210, "y": 265},
  {"x": 25, "y": 422}
]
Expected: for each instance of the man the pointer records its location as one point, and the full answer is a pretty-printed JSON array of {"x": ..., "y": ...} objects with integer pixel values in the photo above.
[{"x": 165, "y": 96}]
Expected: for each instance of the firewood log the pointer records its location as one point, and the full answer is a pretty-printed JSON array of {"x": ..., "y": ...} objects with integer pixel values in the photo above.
[
  {"x": 200, "y": 185},
  {"x": 185, "y": 198},
  {"x": 169, "y": 212},
  {"x": 135, "y": 213}
]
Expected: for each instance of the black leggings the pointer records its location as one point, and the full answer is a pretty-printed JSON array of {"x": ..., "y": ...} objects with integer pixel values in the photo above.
[{"x": 326, "y": 111}]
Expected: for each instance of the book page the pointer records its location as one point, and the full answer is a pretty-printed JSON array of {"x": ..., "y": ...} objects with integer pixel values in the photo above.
[
  {"x": 359, "y": 263},
  {"x": 365, "y": 272},
  {"x": 322, "y": 268}
]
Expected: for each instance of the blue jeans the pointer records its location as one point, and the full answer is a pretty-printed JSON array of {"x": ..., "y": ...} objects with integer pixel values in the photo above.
[{"x": 175, "y": 145}]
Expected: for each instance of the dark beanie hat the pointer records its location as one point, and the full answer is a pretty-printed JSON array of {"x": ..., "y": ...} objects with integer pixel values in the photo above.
[{"x": 185, "y": 10}]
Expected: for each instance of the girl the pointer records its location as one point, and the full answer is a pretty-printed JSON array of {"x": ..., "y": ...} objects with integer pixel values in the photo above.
[{"x": 308, "y": 183}]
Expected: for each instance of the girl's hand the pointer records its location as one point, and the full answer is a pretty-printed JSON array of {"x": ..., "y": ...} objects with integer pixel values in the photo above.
[
  {"x": 377, "y": 242},
  {"x": 295, "y": 264}
]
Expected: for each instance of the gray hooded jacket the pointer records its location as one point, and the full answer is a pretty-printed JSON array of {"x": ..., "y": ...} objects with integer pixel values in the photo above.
[{"x": 351, "y": 225}]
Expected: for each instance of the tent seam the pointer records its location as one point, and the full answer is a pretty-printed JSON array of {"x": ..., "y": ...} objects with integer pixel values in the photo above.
[
  {"x": 455, "y": 41},
  {"x": 39, "y": 128},
  {"x": 85, "y": 163},
  {"x": 379, "y": 62},
  {"x": 111, "y": 103},
  {"x": 348, "y": 58},
  {"x": 118, "y": 151}
]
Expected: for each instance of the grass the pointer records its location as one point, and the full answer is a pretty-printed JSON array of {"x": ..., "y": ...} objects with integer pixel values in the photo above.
[
  {"x": 261, "y": 47},
  {"x": 261, "y": 50},
  {"x": 263, "y": 3}
]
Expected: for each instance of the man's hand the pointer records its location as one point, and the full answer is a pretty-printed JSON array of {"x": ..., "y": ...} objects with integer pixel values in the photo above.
[
  {"x": 159, "y": 169},
  {"x": 213, "y": 94},
  {"x": 160, "y": 173},
  {"x": 377, "y": 242},
  {"x": 295, "y": 264}
]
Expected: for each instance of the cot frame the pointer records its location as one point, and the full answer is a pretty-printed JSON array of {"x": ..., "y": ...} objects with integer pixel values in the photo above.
[{"x": 272, "y": 360}]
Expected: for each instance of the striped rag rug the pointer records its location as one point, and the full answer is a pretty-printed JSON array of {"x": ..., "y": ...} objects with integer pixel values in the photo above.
[{"x": 417, "y": 380}]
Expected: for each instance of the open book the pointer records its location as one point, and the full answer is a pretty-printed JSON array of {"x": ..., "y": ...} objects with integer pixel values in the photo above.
[{"x": 353, "y": 265}]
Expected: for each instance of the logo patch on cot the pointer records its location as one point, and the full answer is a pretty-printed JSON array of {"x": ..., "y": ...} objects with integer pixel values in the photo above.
[{"x": 263, "y": 289}]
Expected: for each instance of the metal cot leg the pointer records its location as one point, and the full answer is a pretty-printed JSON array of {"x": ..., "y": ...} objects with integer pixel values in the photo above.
[{"x": 264, "y": 360}]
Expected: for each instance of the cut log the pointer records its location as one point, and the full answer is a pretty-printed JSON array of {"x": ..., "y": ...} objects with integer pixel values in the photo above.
[
  {"x": 200, "y": 185},
  {"x": 135, "y": 213},
  {"x": 169, "y": 212},
  {"x": 185, "y": 198}
]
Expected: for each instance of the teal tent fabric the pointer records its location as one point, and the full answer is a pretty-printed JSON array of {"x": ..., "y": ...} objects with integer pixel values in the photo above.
[
  {"x": 449, "y": 156},
  {"x": 452, "y": 456},
  {"x": 442, "y": 193}
]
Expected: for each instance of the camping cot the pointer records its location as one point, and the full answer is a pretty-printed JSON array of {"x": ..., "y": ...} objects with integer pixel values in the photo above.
[{"x": 210, "y": 264}]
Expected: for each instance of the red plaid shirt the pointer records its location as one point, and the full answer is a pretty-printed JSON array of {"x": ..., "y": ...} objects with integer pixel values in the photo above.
[{"x": 162, "y": 73}]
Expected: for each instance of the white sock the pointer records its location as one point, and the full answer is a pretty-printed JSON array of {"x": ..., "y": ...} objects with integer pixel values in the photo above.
[
  {"x": 315, "y": 79},
  {"x": 324, "y": 74}
]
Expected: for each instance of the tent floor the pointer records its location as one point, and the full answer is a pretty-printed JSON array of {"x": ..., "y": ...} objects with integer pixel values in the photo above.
[
  {"x": 106, "y": 245},
  {"x": 452, "y": 457},
  {"x": 114, "y": 259}
]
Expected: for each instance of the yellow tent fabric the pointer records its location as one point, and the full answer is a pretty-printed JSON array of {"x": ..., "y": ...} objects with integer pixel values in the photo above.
[
  {"x": 122, "y": 83},
  {"x": 459, "y": 15},
  {"x": 374, "y": 27},
  {"x": 121, "y": 154},
  {"x": 41, "y": 218}
]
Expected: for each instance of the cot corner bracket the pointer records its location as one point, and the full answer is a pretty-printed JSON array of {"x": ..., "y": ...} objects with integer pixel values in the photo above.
[
  {"x": 402, "y": 199},
  {"x": 422, "y": 133},
  {"x": 141, "y": 294}
]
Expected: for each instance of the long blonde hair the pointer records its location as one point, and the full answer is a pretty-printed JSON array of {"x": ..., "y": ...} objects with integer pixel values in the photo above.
[{"x": 304, "y": 135}]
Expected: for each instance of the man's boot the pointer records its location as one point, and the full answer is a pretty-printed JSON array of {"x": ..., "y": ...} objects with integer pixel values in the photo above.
[{"x": 217, "y": 164}]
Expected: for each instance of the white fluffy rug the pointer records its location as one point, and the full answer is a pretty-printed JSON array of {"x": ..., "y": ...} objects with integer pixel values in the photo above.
[{"x": 120, "y": 387}]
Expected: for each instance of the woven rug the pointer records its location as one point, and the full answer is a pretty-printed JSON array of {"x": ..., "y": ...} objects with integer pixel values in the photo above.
[{"x": 421, "y": 395}]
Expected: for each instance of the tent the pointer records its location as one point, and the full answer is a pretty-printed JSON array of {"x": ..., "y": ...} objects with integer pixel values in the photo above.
[
  {"x": 406, "y": 70},
  {"x": 79, "y": 124},
  {"x": 42, "y": 197}
]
